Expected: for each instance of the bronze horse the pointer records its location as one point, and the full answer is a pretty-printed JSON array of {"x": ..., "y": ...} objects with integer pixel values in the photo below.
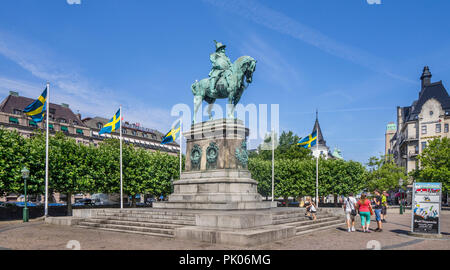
[{"x": 231, "y": 85}]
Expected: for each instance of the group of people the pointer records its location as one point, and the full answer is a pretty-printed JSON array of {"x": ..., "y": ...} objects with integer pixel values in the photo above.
[{"x": 366, "y": 208}]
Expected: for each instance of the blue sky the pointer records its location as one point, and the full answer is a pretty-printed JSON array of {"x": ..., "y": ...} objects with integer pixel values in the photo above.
[{"x": 352, "y": 61}]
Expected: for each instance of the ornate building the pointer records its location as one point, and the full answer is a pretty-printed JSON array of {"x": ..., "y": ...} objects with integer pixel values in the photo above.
[
  {"x": 61, "y": 118},
  {"x": 427, "y": 118},
  {"x": 146, "y": 138},
  {"x": 391, "y": 129}
]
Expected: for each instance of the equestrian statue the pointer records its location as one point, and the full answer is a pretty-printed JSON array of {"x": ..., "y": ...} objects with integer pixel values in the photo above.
[{"x": 226, "y": 80}]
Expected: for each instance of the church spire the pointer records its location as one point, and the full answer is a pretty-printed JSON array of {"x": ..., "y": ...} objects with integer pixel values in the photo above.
[{"x": 317, "y": 127}]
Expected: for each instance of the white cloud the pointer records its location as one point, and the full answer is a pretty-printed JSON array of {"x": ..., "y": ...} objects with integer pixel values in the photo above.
[
  {"x": 272, "y": 64},
  {"x": 277, "y": 21},
  {"x": 83, "y": 94},
  {"x": 76, "y": 2}
]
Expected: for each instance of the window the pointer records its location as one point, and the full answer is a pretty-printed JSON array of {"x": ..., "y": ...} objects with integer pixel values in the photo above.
[
  {"x": 99, "y": 125},
  {"x": 62, "y": 120},
  {"x": 50, "y": 127},
  {"x": 75, "y": 123},
  {"x": 424, "y": 129},
  {"x": 445, "y": 128},
  {"x": 431, "y": 113},
  {"x": 133, "y": 133},
  {"x": 424, "y": 145},
  {"x": 79, "y": 131},
  {"x": 64, "y": 129},
  {"x": 52, "y": 111},
  {"x": 32, "y": 123},
  {"x": 13, "y": 120},
  {"x": 438, "y": 128},
  {"x": 18, "y": 112}
]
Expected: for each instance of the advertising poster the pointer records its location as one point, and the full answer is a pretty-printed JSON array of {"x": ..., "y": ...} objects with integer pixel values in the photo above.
[{"x": 426, "y": 208}]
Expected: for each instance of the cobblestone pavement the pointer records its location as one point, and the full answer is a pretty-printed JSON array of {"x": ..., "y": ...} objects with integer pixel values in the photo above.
[{"x": 38, "y": 235}]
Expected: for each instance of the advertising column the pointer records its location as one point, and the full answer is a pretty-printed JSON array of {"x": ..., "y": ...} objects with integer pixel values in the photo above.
[{"x": 426, "y": 208}]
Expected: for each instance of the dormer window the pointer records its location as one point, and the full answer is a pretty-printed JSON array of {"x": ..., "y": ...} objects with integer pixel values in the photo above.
[
  {"x": 431, "y": 113},
  {"x": 75, "y": 123},
  {"x": 99, "y": 125},
  {"x": 52, "y": 111},
  {"x": 62, "y": 120},
  {"x": 17, "y": 112}
]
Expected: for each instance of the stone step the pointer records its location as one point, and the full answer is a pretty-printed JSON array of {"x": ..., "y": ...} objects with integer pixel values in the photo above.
[
  {"x": 332, "y": 226},
  {"x": 307, "y": 222},
  {"x": 148, "y": 220},
  {"x": 149, "y": 216},
  {"x": 318, "y": 224},
  {"x": 134, "y": 223},
  {"x": 128, "y": 228},
  {"x": 126, "y": 231},
  {"x": 295, "y": 219},
  {"x": 162, "y": 212}
]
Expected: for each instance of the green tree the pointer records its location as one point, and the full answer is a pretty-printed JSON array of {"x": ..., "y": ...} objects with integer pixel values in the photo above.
[
  {"x": 12, "y": 160},
  {"x": 261, "y": 171},
  {"x": 68, "y": 171},
  {"x": 434, "y": 163},
  {"x": 384, "y": 174}
]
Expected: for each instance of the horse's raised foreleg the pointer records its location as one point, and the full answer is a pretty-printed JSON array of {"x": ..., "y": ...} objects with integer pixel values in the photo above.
[{"x": 230, "y": 107}]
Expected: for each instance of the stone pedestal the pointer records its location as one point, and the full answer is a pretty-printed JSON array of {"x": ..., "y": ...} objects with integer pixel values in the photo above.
[{"x": 216, "y": 175}]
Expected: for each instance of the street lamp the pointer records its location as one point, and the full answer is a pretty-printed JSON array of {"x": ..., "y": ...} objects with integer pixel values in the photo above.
[
  {"x": 400, "y": 183},
  {"x": 25, "y": 175}
]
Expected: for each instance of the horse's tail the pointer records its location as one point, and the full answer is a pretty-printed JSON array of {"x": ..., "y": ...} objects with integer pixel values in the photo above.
[{"x": 194, "y": 88}]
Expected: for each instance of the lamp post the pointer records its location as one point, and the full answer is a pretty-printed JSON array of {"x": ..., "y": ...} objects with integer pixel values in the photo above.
[
  {"x": 25, "y": 175},
  {"x": 400, "y": 183}
]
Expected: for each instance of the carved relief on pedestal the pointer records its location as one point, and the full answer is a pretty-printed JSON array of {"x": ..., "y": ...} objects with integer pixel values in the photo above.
[
  {"x": 242, "y": 155},
  {"x": 212, "y": 153},
  {"x": 196, "y": 156}
]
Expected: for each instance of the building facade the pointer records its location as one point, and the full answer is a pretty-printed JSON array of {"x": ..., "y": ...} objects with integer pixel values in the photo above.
[
  {"x": 391, "y": 129},
  {"x": 63, "y": 119},
  {"x": 427, "y": 118},
  {"x": 149, "y": 139}
]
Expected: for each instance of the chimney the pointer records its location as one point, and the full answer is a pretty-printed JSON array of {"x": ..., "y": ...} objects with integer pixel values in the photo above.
[
  {"x": 65, "y": 105},
  {"x": 426, "y": 77},
  {"x": 14, "y": 94}
]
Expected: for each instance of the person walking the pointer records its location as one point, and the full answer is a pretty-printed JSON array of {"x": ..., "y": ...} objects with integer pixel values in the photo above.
[
  {"x": 364, "y": 208},
  {"x": 350, "y": 212},
  {"x": 384, "y": 206},
  {"x": 378, "y": 208}
]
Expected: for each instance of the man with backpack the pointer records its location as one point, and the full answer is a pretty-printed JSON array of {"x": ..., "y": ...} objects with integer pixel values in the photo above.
[{"x": 350, "y": 212}]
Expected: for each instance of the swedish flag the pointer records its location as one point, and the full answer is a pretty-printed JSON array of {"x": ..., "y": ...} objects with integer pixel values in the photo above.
[
  {"x": 38, "y": 108},
  {"x": 173, "y": 134},
  {"x": 113, "y": 124},
  {"x": 308, "y": 141}
]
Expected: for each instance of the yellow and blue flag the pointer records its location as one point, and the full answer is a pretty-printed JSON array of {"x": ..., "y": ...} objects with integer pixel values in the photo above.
[
  {"x": 113, "y": 124},
  {"x": 173, "y": 134},
  {"x": 38, "y": 108},
  {"x": 308, "y": 141}
]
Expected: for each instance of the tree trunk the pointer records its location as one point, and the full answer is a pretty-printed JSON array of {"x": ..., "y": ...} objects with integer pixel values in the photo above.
[
  {"x": 285, "y": 201},
  {"x": 69, "y": 203},
  {"x": 133, "y": 201},
  {"x": 335, "y": 200}
]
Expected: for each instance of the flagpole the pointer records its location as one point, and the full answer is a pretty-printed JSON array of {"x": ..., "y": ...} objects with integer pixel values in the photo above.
[
  {"x": 181, "y": 142},
  {"x": 121, "y": 182},
  {"x": 273, "y": 167},
  {"x": 46, "y": 150},
  {"x": 317, "y": 164}
]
